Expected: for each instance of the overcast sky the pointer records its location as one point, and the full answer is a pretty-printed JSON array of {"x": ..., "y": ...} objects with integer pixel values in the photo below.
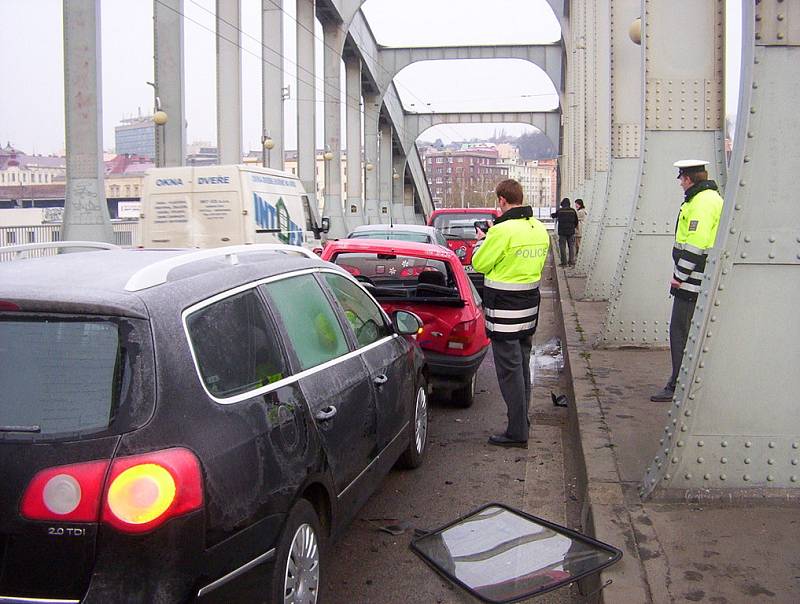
[{"x": 31, "y": 56}]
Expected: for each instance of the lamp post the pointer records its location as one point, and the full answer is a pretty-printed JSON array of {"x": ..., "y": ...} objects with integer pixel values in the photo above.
[
  {"x": 267, "y": 144},
  {"x": 160, "y": 118}
]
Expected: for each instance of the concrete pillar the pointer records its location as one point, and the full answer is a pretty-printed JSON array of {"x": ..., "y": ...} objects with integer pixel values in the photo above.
[
  {"x": 229, "y": 82},
  {"x": 385, "y": 173},
  {"x": 372, "y": 105},
  {"x": 272, "y": 80},
  {"x": 354, "y": 214},
  {"x": 408, "y": 204},
  {"x": 170, "y": 81},
  {"x": 398, "y": 185},
  {"x": 306, "y": 100},
  {"x": 334, "y": 41},
  {"x": 85, "y": 210}
]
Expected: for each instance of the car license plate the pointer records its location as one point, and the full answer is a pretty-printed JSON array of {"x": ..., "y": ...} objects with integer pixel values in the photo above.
[{"x": 468, "y": 268}]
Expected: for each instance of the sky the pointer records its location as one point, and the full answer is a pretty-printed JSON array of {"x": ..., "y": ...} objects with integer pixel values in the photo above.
[{"x": 31, "y": 59}]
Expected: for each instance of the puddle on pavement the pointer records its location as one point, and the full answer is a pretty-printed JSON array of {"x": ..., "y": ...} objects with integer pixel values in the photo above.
[{"x": 547, "y": 360}]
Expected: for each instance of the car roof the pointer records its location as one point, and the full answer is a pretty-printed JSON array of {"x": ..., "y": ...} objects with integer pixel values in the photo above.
[
  {"x": 392, "y": 246},
  {"x": 99, "y": 281},
  {"x": 465, "y": 211},
  {"x": 409, "y": 228}
]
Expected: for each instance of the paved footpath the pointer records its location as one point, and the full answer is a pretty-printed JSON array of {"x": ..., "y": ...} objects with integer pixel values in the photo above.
[{"x": 688, "y": 551}]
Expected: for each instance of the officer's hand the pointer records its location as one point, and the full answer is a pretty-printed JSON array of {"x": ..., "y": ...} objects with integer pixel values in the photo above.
[
  {"x": 479, "y": 234},
  {"x": 674, "y": 283}
]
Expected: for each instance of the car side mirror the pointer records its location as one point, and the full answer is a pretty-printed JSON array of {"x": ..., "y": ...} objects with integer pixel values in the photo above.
[
  {"x": 326, "y": 224},
  {"x": 406, "y": 323}
]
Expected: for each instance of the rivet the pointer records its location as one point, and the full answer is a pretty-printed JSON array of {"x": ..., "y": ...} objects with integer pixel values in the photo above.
[
  {"x": 684, "y": 428},
  {"x": 680, "y": 443},
  {"x": 688, "y": 413},
  {"x": 748, "y": 461},
  {"x": 724, "y": 443},
  {"x": 674, "y": 460},
  {"x": 747, "y": 239},
  {"x": 652, "y": 481},
  {"x": 738, "y": 206},
  {"x": 667, "y": 476},
  {"x": 772, "y": 238},
  {"x": 732, "y": 231},
  {"x": 771, "y": 462},
  {"x": 707, "y": 476},
  {"x": 794, "y": 462},
  {"x": 700, "y": 443},
  {"x": 750, "y": 135},
  {"x": 743, "y": 255},
  {"x": 723, "y": 460},
  {"x": 771, "y": 255},
  {"x": 780, "y": 35},
  {"x": 723, "y": 477},
  {"x": 746, "y": 477},
  {"x": 700, "y": 460},
  {"x": 661, "y": 441},
  {"x": 795, "y": 445},
  {"x": 771, "y": 444},
  {"x": 793, "y": 478},
  {"x": 748, "y": 444},
  {"x": 752, "y": 109},
  {"x": 708, "y": 335},
  {"x": 747, "y": 159},
  {"x": 687, "y": 476},
  {"x": 692, "y": 396},
  {"x": 770, "y": 477},
  {"x": 706, "y": 349}
]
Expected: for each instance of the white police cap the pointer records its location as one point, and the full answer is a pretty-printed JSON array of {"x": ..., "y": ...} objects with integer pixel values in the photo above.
[{"x": 691, "y": 165}]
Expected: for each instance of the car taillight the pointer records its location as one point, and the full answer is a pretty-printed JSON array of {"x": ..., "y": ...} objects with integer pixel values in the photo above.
[
  {"x": 6, "y": 305},
  {"x": 66, "y": 493},
  {"x": 136, "y": 495},
  {"x": 144, "y": 491},
  {"x": 461, "y": 335}
]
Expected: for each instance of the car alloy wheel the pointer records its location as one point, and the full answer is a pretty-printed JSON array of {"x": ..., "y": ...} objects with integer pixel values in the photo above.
[
  {"x": 301, "y": 578},
  {"x": 418, "y": 430}
]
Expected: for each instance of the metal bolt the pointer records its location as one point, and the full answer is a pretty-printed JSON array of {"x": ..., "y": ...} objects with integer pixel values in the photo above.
[
  {"x": 674, "y": 460},
  {"x": 738, "y": 206},
  {"x": 771, "y": 444},
  {"x": 794, "y": 462},
  {"x": 700, "y": 460},
  {"x": 771, "y": 462},
  {"x": 687, "y": 476},
  {"x": 724, "y": 443},
  {"x": 793, "y": 478},
  {"x": 700, "y": 443},
  {"x": 748, "y": 461},
  {"x": 688, "y": 413},
  {"x": 680, "y": 443},
  {"x": 723, "y": 460},
  {"x": 747, "y": 239},
  {"x": 770, "y": 477},
  {"x": 748, "y": 444},
  {"x": 723, "y": 477},
  {"x": 684, "y": 428},
  {"x": 772, "y": 238},
  {"x": 746, "y": 477}
]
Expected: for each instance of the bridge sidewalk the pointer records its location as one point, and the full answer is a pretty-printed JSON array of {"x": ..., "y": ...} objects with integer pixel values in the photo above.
[{"x": 687, "y": 551}]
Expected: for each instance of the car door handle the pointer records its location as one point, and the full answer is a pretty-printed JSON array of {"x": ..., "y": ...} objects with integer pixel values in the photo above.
[
  {"x": 326, "y": 413},
  {"x": 380, "y": 380}
]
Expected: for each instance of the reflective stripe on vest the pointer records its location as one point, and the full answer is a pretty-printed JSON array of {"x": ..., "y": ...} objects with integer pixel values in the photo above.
[
  {"x": 503, "y": 328},
  {"x": 512, "y": 287},
  {"x": 690, "y": 248},
  {"x": 512, "y": 314}
]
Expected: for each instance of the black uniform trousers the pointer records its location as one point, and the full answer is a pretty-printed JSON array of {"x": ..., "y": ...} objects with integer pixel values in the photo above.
[
  {"x": 679, "y": 323},
  {"x": 512, "y": 360}
]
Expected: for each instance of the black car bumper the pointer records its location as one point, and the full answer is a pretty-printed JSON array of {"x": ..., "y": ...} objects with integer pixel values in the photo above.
[{"x": 446, "y": 365}]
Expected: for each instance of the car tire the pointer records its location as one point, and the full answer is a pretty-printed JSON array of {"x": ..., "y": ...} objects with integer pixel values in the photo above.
[
  {"x": 465, "y": 396},
  {"x": 298, "y": 562},
  {"x": 418, "y": 438}
]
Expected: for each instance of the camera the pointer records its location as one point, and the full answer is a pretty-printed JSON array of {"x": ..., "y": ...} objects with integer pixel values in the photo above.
[{"x": 482, "y": 225}]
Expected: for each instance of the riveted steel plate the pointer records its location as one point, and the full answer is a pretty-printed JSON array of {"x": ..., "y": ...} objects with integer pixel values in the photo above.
[
  {"x": 778, "y": 23},
  {"x": 625, "y": 140},
  {"x": 682, "y": 104}
]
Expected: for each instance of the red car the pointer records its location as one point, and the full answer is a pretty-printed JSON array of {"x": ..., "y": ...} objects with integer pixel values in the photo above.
[
  {"x": 458, "y": 227},
  {"x": 428, "y": 280}
]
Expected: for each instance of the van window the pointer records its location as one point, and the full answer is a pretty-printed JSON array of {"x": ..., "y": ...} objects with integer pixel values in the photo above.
[
  {"x": 308, "y": 319},
  {"x": 363, "y": 314},
  {"x": 236, "y": 348}
]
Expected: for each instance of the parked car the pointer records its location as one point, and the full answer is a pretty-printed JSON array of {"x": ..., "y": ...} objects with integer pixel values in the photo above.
[
  {"x": 458, "y": 227},
  {"x": 429, "y": 281},
  {"x": 181, "y": 425},
  {"x": 399, "y": 232}
]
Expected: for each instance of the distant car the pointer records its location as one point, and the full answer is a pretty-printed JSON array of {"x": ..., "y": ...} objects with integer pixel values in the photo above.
[
  {"x": 458, "y": 227},
  {"x": 429, "y": 281},
  {"x": 399, "y": 232},
  {"x": 184, "y": 425}
]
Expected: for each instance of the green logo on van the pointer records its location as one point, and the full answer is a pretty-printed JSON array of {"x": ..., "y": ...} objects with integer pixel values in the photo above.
[{"x": 283, "y": 220}]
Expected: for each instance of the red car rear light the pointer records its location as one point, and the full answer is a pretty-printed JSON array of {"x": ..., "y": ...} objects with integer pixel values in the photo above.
[
  {"x": 462, "y": 335},
  {"x": 138, "y": 494},
  {"x": 6, "y": 305}
]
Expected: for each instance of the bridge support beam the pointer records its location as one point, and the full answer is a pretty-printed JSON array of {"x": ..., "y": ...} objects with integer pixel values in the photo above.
[
  {"x": 170, "y": 81},
  {"x": 385, "y": 172},
  {"x": 733, "y": 428},
  {"x": 683, "y": 118},
  {"x": 333, "y": 35},
  {"x": 229, "y": 81},
  {"x": 354, "y": 215},
  {"x": 85, "y": 209},
  {"x": 610, "y": 220},
  {"x": 306, "y": 100},
  {"x": 398, "y": 185},
  {"x": 372, "y": 108},
  {"x": 272, "y": 80}
]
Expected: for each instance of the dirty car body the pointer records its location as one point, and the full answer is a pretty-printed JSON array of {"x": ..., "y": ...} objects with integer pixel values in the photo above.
[{"x": 156, "y": 444}]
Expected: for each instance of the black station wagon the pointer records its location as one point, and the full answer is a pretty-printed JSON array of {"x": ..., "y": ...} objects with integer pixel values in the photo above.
[{"x": 181, "y": 425}]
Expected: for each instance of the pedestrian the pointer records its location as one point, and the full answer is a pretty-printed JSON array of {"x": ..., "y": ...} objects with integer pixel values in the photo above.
[
  {"x": 695, "y": 233},
  {"x": 582, "y": 213},
  {"x": 511, "y": 255},
  {"x": 566, "y": 223}
]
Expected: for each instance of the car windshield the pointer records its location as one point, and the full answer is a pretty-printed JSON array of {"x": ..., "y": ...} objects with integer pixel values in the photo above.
[
  {"x": 66, "y": 377},
  {"x": 394, "y": 235},
  {"x": 460, "y": 225}
]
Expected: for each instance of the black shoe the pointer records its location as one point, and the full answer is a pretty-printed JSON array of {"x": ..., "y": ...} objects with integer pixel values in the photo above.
[
  {"x": 664, "y": 396},
  {"x": 501, "y": 440}
]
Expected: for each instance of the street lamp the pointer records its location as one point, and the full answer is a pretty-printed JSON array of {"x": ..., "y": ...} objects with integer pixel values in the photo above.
[
  {"x": 267, "y": 144},
  {"x": 160, "y": 118}
]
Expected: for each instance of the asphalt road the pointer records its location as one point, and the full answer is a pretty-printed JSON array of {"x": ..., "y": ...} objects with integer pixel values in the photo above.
[{"x": 461, "y": 472}]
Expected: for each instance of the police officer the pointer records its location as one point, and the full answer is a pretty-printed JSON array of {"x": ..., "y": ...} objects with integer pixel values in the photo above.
[
  {"x": 511, "y": 257},
  {"x": 695, "y": 233}
]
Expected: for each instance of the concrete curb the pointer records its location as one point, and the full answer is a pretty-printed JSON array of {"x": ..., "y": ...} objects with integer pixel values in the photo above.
[{"x": 604, "y": 512}]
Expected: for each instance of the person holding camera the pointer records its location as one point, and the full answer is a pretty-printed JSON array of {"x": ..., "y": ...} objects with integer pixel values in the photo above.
[{"x": 511, "y": 255}]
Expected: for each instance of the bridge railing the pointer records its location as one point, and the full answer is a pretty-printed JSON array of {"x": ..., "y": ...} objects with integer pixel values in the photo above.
[{"x": 126, "y": 233}]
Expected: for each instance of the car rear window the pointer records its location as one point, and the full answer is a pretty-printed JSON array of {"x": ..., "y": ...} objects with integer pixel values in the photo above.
[
  {"x": 461, "y": 225},
  {"x": 392, "y": 235},
  {"x": 70, "y": 376},
  {"x": 389, "y": 268}
]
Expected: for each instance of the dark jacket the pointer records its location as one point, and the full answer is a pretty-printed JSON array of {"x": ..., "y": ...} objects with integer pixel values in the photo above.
[{"x": 567, "y": 219}]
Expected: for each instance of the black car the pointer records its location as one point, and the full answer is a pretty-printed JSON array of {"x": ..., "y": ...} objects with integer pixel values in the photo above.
[{"x": 193, "y": 425}]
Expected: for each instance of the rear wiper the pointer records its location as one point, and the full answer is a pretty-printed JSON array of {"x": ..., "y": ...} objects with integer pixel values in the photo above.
[
  {"x": 453, "y": 236},
  {"x": 34, "y": 429}
]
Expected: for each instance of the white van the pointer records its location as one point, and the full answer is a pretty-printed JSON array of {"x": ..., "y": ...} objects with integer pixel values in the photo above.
[{"x": 211, "y": 206}]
